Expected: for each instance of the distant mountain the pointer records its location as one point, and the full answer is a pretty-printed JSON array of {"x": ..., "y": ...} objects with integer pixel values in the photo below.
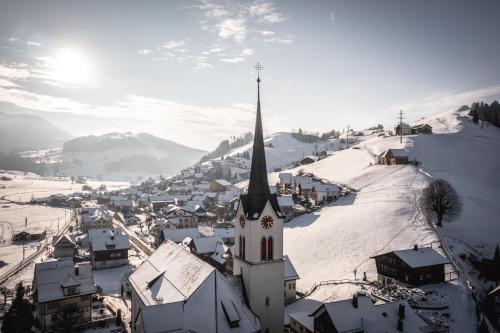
[
  {"x": 125, "y": 156},
  {"x": 27, "y": 132}
]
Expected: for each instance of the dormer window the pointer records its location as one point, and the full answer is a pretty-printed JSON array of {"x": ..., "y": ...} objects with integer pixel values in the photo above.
[{"x": 74, "y": 290}]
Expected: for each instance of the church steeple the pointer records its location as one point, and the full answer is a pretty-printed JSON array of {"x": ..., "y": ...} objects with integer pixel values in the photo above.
[
  {"x": 258, "y": 184},
  {"x": 258, "y": 187}
]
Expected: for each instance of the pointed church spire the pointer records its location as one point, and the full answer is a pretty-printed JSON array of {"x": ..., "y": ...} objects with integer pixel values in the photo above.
[
  {"x": 258, "y": 193},
  {"x": 258, "y": 173}
]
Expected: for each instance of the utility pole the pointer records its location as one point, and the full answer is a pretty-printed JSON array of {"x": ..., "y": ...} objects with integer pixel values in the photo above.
[
  {"x": 347, "y": 139},
  {"x": 23, "y": 249},
  {"x": 25, "y": 222},
  {"x": 400, "y": 126},
  {"x": 58, "y": 224}
]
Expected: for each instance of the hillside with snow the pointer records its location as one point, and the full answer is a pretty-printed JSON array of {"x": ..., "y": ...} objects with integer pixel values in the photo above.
[
  {"x": 282, "y": 150},
  {"x": 125, "y": 156},
  {"x": 383, "y": 215}
]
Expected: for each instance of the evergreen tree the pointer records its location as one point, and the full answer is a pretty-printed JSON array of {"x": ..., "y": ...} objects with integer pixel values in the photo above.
[{"x": 19, "y": 318}]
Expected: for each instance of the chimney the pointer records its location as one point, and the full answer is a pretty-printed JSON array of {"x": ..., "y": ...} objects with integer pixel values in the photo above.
[
  {"x": 77, "y": 270},
  {"x": 415, "y": 247},
  {"x": 355, "y": 301},
  {"x": 400, "y": 325},
  {"x": 401, "y": 311}
]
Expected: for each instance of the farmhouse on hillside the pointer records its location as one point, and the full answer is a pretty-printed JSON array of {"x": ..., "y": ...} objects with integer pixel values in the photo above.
[
  {"x": 411, "y": 267},
  {"x": 393, "y": 157}
]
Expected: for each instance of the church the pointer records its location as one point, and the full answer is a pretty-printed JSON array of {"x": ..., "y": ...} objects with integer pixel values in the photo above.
[{"x": 173, "y": 290}]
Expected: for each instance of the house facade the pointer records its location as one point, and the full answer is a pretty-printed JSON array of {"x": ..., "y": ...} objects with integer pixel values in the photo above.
[
  {"x": 412, "y": 267},
  {"x": 108, "y": 248},
  {"x": 63, "y": 294}
]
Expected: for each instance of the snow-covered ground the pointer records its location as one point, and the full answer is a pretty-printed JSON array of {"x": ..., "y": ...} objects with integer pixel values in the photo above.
[
  {"x": 282, "y": 150},
  {"x": 382, "y": 215},
  {"x": 25, "y": 186}
]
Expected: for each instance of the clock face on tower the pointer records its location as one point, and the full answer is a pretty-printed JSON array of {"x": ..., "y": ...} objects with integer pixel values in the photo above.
[
  {"x": 267, "y": 222},
  {"x": 242, "y": 221}
]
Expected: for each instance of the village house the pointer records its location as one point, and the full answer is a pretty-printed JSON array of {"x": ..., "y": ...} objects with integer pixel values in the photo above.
[
  {"x": 360, "y": 315},
  {"x": 220, "y": 185},
  {"x": 406, "y": 129},
  {"x": 286, "y": 179},
  {"x": 290, "y": 276},
  {"x": 63, "y": 293},
  {"x": 212, "y": 250},
  {"x": 108, "y": 248},
  {"x": 180, "y": 218},
  {"x": 162, "y": 301},
  {"x": 64, "y": 246},
  {"x": 286, "y": 204},
  {"x": 95, "y": 218},
  {"x": 421, "y": 129},
  {"x": 393, "y": 157},
  {"x": 326, "y": 192},
  {"x": 175, "y": 235},
  {"x": 411, "y": 267}
]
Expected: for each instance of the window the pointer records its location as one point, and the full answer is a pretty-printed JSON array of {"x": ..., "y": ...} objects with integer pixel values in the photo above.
[
  {"x": 115, "y": 255},
  {"x": 270, "y": 248},
  {"x": 267, "y": 301},
  {"x": 52, "y": 305},
  {"x": 263, "y": 245},
  {"x": 243, "y": 247}
]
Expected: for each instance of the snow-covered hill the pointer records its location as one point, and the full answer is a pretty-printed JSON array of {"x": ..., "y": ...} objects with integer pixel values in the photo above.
[
  {"x": 383, "y": 215},
  {"x": 282, "y": 150},
  {"x": 125, "y": 156}
]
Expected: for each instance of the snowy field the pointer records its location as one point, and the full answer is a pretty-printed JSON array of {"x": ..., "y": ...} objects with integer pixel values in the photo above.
[
  {"x": 24, "y": 187},
  {"x": 383, "y": 216}
]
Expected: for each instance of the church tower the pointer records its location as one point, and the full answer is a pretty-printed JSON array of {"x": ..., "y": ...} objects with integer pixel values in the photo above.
[{"x": 259, "y": 239}]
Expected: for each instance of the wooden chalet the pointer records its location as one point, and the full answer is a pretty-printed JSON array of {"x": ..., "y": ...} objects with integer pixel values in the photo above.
[
  {"x": 394, "y": 157},
  {"x": 421, "y": 129},
  {"x": 412, "y": 267}
]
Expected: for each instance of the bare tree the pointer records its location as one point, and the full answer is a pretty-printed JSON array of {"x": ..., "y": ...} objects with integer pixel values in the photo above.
[{"x": 440, "y": 200}]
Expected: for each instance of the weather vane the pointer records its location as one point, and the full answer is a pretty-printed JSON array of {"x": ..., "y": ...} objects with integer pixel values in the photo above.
[{"x": 258, "y": 67}]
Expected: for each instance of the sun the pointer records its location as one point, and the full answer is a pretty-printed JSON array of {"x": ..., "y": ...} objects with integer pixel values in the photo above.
[{"x": 70, "y": 66}]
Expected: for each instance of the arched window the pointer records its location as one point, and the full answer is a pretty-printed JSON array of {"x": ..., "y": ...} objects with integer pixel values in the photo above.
[
  {"x": 263, "y": 255},
  {"x": 243, "y": 247},
  {"x": 270, "y": 248}
]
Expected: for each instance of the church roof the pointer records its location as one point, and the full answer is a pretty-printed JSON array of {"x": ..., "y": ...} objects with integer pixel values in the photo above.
[{"x": 254, "y": 201}]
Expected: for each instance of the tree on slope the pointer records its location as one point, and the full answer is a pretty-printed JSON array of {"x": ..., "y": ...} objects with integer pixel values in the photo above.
[
  {"x": 440, "y": 200},
  {"x": 19, "y": 318}
]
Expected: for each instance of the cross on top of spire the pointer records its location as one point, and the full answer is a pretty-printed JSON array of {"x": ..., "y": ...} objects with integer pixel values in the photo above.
[{"x": 258, "y": 67}]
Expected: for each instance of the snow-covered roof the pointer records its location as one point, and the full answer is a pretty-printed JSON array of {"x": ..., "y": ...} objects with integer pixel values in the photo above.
[
  {"x": 286, "y": 177},
  {"x": 326, "y": 187},
  {"x": 206, "y": 244},
  {"x": 397, "y": 152},
  {"x": 222, "y": 182},
  {"x": 290, "y": 272},
  {"x": 285, "y": 201},
  {"x": 50, "y": 278},
  {"x": 371, "y": 318},
  {"x": 108, "y": 239},
  {"x": 178, "y": 235},
  {"x": 304, "y": 319},
  {"x": 181, "y": 292},
  {"x": 60, "y": 239},
  {"x": 424, "y": 256}
]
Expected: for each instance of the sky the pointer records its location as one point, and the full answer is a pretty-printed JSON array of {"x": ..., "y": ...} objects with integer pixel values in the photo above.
[{"x": 184, "y": 70}]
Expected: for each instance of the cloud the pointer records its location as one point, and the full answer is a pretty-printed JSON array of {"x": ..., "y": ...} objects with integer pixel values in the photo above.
[
  {"x": 267, "y": 33},
  {"x": 7, "y": 83},
  {"x": 234, "y": 29},
  {"x": 144, "y": 51},
  {"x": 173, "y": 44},
  {"x": 189, "y": 124},
  {"x": 285, "y": 39},
  {"x": 234, "y": 60},
  {"x": 332, "y": 16},
  {"x": 17, "y": 71},
  {"x": 234, "y": 21},
  {"x": 247, "y": 52},
  {"x": 447, "y": 101},
  {"x": 265, "y": 11},
  {"x": 26, "y": 42}
]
